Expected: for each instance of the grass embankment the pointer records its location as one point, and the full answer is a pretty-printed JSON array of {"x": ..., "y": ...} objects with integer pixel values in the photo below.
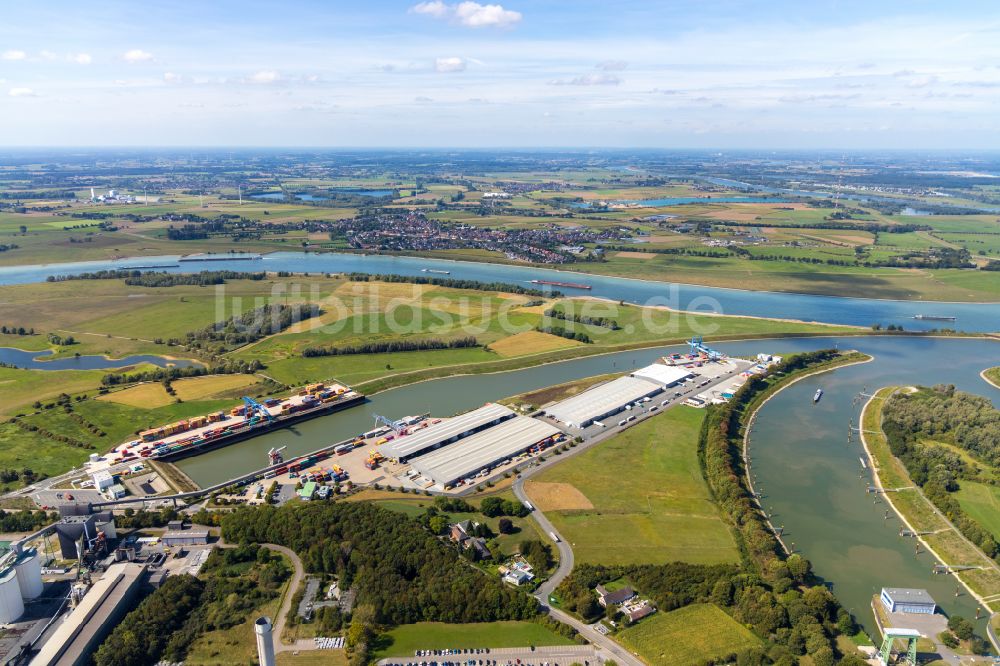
[
  {"x": 638, "y": 498},
  {"x": 936, "y": 532},
  {"x": 402, "y": 641},
  {"x": 687, "y": 636},
  {"x": 992, "y": 375},
  {"x": 550, "y": 394}
]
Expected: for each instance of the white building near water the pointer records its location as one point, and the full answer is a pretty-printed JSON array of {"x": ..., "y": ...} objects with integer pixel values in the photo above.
[
  {"x": 103, "y": 480},
  {"x": 667, "y": 375}
]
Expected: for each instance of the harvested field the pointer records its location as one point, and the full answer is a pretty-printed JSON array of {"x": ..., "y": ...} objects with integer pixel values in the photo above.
[
  {"x": 630, "y": 254},
  {"x": 531, "y": 342},
  {"x": 557, "y": 496},
  {"x": 199, "y": 388},
  {"x": 145, "y": 396}
]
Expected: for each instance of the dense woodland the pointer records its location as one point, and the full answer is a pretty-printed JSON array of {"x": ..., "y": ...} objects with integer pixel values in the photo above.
[
  {"x": 912, "y": 421},
  {"x": 234, "y": 582},
  {"x": 250, "y": 326},
  {"x": 139, "y": 278},
  {"x": 401, "y": 572}
]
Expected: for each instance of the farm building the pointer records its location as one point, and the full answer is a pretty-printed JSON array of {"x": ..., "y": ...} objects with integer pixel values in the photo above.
[
  {"x": 483, "y": 449},
  {"x": 619, "y": 596},
  {"x": 437, "y": 435},
  {"x": 907, "y": 600},
  {"x": 602, "y": 400},
  {"x": 667, "y": 375}
]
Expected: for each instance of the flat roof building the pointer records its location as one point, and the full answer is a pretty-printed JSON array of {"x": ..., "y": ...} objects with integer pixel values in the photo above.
[
  {"x": 907, "y": 600},
  {"x": 602, "y": 400},
  {"x": 667, "y": 375},
  {"x": 435, "y": 436},
  {"x": 192, "y": 537},
  {"x": 74, "y": 641},
  {"x": 483, "y": 449}
]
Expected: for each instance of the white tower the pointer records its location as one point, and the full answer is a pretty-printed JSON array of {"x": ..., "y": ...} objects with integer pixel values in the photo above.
[{"x": 265, "y": 641}]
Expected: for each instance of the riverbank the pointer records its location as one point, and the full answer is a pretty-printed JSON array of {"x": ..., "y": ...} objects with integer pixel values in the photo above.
[
  {"x": 921, "y": 518},
  {"x": 992, "y": 376}
]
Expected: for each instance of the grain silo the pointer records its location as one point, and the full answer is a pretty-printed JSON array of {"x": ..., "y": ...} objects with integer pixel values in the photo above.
[
  {"x": 11, "y": 605},
  {"x": 29, "y": 574}
]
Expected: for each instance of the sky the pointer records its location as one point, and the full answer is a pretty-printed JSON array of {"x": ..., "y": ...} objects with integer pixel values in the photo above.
[{"x": 521, "y": 73}]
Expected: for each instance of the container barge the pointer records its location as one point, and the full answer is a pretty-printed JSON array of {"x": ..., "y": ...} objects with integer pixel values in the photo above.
[
  {"x": 434, "y": 270},
  {"x": 221, "y": 257},
  {"x": 203, "y": 433},
  {"x": 568, "y": 285}
]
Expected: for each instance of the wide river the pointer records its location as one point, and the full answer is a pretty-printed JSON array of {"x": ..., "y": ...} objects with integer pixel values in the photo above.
[
  {"x": 809, "y": 471},
  {"x": 851, "y": 311}
]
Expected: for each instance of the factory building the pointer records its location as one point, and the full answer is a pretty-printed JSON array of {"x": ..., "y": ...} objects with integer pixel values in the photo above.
[
  {"x": 71, "y": 528},
  {"x": 666, "y": 375},
  {"x": 77, "y": 637},
  {"x": 425, "y": 440},
  {"x": 602, "y": 401},
  {"x": 484, "y": 449}
]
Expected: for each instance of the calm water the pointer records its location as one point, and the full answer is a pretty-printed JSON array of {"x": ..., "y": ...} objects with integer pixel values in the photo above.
[
  {"x": 810, "y": 474},
  {"x": 34, "y": 360},
  {"x": 852, "y": 311}
]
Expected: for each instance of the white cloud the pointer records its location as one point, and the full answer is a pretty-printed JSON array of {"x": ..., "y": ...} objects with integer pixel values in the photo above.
[
  {"x": 469, "y": 14},
  {"x": 437, "y": 9},
  {"x": 13, "y": 54},
  {"x": 265, "y": 76},
  {"x": 21, "y": 92},
  {"x": 452, "y": 64},
  {"x": 137, "y": 55},
  {"x": 588, "y": 80},
  {"x": 47, "y": 55},
  {"x": 82, "y": 59},
  {"x": 170, "y": 77},
  {"x": 612, "y": 65}
]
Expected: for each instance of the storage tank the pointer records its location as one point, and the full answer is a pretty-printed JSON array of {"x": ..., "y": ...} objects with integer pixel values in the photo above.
[
  {"x": 29, "y": 574},
  {"x": 11, "y": 605},
  {"x": 265, "y": 641},
  {"x": 94, "y": 457}
]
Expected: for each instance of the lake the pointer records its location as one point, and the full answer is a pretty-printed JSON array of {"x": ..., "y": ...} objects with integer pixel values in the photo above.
[{"x": 35, "y": 360}]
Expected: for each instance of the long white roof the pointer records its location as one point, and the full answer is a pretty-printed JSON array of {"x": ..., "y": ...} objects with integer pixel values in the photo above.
[
  {"x": 601, "y": 400},
  {"x": 429, "y": 437},
  {"x": 477, "y": 451},
  {"x": 663, "y": 374}
]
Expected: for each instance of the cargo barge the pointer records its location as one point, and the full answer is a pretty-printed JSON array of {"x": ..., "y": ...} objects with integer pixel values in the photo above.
[
  {"x": 934, "y": 317},
  {"x": 221, "y": 257},
  {"x": 568, "y": 285},
  {"x": 218, "y": 429}
]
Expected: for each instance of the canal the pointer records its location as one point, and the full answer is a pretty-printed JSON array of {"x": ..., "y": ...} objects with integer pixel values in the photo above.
[{"x": 810, "y": 473}]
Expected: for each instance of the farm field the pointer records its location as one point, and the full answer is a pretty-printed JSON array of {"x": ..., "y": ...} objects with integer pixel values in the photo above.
[
  {"x": 638, "y": 498},
  {"x": 687, "y": 636},
  {"x": 403, "y": 640}
]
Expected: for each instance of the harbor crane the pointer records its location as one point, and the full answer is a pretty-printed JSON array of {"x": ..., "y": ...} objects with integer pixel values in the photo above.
[
  {"x": 274, "y": 456},
  {"x": 697, "y": 345},
  {"x": 397, "y": 426},
  {"x": 254, "y": 407}
]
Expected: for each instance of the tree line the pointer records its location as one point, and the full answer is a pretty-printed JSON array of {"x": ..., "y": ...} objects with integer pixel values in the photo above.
[
  {"x": 564, "y": 333},
  {"x": 603, "y": 322},
  {"x": 250, "y": 326},
  {"x": 137, "y": 278},
  {"x": 229, "y": 367},
  {"x": 391, "y": 346}
]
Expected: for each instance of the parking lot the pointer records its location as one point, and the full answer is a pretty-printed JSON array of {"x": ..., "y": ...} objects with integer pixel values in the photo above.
[{"x": 562, "y": 655}]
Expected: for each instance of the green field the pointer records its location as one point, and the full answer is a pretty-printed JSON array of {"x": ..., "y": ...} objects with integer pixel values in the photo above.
[
  {"x": 982, "y": 503},
  {"x": 687, "y": 636},
  {"x": 993, "y": 375},
  {"x": 402, "y": 641},
  {"x": 638, "y": 498}
]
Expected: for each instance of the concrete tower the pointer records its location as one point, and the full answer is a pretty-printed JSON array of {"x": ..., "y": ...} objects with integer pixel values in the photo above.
[{"x": 265, "y": 641}]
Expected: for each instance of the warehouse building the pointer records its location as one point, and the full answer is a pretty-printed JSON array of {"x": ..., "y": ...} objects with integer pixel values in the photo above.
[
  {"x": 427, "y": 439},
  {"x": 483, "y": 449},
  {"x": 907, "y": 600},
  {"x": 601, "y": 401},
  {"x": 192, "y": 537},
  {"x": 667, "y": 375},
  {"x": 77, "y": 637}
]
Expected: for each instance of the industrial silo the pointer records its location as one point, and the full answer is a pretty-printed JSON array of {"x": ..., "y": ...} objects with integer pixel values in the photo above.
[
  {"x": 11, "y": 605},
  {"x": 29, "y": 574}
]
